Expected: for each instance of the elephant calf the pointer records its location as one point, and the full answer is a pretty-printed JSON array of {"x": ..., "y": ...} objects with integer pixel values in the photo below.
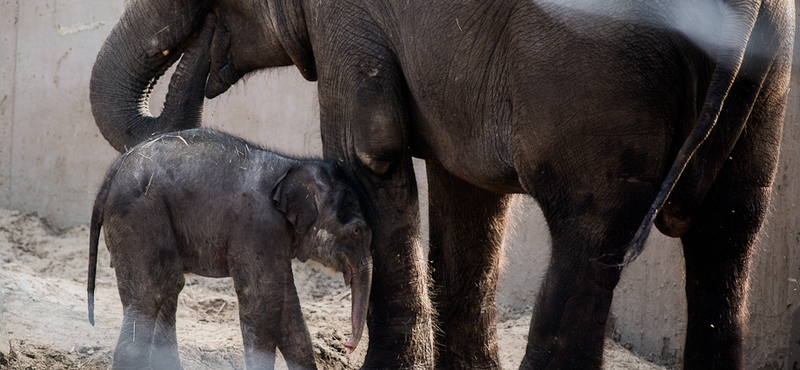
[{"x": 203, "y": 202}]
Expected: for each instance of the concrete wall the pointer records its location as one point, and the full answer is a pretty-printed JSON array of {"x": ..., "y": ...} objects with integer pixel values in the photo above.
[{"x": 52, "y": 159}]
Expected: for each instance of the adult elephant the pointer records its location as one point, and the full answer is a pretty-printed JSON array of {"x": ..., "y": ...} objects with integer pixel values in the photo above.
[{"x": 614, "y": 115}]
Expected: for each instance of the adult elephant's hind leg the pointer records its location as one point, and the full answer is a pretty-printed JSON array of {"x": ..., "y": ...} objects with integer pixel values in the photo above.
[
  {"x": 590, "y": 224},
  {"x": 717, "y": 250},
  {"x": 466, "y": 231},
  {"x": 720, "y": 242}
]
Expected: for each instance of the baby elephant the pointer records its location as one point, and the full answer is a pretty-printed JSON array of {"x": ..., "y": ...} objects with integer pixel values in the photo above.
[{"x": 203, "y": 202}]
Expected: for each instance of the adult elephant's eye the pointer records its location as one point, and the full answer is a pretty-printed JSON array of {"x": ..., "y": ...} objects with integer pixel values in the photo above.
[{"x": 356, "y": 231}]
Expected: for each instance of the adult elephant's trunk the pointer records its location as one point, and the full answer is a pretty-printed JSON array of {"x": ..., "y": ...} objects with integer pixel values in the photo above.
[
  {"x": 361, "y": 284},
  {"x": 146, "y": 41}
]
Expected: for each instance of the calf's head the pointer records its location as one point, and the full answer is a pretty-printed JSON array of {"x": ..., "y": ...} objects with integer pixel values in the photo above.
[{"x": 330, "y": 228}]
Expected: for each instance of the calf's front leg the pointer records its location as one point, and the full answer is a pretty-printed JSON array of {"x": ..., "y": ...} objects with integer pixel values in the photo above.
[{"x": 295, "y": 341}]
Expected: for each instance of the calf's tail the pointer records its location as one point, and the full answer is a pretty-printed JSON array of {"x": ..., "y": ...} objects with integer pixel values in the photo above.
[{"x": 94, "y": 237}]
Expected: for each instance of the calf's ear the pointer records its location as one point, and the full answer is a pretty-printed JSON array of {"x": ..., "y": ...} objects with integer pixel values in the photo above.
[{"x": 295, "y": 197}]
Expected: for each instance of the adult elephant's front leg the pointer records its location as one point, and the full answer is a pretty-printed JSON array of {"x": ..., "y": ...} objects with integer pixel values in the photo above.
[
  {"x": 364, "y": 124},
  {"x": 466, "y": 235},
  {"x": 399, "y": 319}
]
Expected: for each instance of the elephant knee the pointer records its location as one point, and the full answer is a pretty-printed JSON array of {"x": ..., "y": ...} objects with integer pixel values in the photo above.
[{"x": 380, "y": 143}]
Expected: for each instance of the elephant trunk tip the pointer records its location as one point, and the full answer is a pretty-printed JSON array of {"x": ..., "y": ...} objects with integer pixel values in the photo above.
[{"x": 352, "y": 343}]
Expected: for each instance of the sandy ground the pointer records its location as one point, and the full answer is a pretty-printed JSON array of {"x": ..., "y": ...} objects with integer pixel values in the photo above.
[{"x": 44, "y": 324}]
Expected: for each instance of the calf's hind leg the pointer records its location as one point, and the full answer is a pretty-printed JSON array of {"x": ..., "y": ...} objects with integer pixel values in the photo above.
[
  {"x": 165, "y": 341},
  {"x": 148, "y": 278},
  {"x": 135, "y": 339}
]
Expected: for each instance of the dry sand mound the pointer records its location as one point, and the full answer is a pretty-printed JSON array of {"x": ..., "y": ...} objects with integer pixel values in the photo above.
[{"x": 44, "y": 324}]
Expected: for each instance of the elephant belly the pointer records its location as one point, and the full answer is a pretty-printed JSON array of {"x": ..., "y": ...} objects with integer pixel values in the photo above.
[
  {"x": 483, "y": 160},
  {"x": 202, "y": 249},
  {"x": 205, "y": 261}
]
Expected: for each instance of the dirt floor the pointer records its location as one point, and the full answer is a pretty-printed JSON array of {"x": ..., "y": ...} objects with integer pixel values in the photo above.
[{"x": 44, "y": 324}]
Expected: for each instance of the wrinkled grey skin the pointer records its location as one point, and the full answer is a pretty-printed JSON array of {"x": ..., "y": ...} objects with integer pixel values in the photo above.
[
  {"x": 615, "y": 115},
  {"x": 202, "y": 202}
]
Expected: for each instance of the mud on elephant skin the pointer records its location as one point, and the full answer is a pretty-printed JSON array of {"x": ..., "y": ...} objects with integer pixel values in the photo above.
[
  {"x": 203, "y": 202},
  {"x": 613, "y": 115}
]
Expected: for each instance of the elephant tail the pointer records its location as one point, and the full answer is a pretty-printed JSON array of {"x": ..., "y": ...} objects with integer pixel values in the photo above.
[
  {"x": 96, "y": 224},
  {"x": 738, "y": 23}
]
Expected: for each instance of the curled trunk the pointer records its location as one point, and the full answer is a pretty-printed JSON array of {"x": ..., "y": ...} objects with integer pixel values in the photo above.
[{"x": 147, "y": 40}]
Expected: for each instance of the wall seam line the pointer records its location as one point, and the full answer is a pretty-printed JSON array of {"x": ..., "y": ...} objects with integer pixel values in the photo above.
[{"x": 13, "y": 123}]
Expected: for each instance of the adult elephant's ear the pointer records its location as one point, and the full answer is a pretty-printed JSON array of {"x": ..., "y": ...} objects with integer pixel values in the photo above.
[{"x": 295, "y": 197}]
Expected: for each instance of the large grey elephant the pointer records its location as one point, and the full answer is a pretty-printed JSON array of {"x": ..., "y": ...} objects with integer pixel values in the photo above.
[{"x": 615, "y": 115}]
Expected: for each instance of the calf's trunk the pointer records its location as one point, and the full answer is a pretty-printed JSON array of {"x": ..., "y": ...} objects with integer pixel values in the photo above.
[{"x": 360, "y": 285}]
